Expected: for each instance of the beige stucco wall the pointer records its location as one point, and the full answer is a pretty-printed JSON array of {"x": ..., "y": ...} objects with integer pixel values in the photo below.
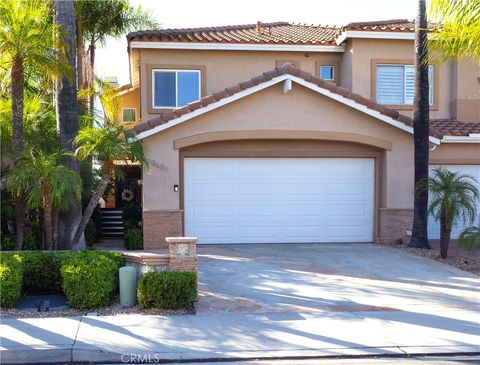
[
  {"x": 457, "y": 85},
  {"x": 456, "y": 154},
  {"x": 364, "y": 51},
  {"x": 465, "y": 102},
  {"x": 131, "y": 99},
  {"x": 271, "y": 110},
  {"x": 226, "y": 68}
]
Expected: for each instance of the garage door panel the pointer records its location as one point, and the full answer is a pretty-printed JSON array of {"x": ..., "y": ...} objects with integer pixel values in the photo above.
[
  {"x": 257, "y": 210},
  {"x": 257, "y": 233},
  {"x": 298, "y": 200},
  {"x": 210, "y": 210},
  {"x": 349, "y": 232},
  {"x": 348, "y": 210},
  {"x": 295, "y": 210}
]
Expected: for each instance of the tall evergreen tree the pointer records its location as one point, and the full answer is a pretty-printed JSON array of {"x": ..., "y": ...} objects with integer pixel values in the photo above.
[
  {"x": 27, "y": 40},
  {"x": 421, "y": 129}
]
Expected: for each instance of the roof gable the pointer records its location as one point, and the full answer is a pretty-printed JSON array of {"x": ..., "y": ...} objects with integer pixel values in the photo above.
[{"x": 285, "y": 73}]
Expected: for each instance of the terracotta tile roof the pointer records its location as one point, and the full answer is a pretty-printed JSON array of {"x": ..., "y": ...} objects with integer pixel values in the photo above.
[
  {"x": 266, "y": 76},
  {"x": 260, "y": 33},
  {"x": 392, "y": 25},
  {"x": 453, "y": 127}
]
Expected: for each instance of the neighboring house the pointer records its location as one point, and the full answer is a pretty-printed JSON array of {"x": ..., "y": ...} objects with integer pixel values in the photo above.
[{"x": 282, "y": 132}]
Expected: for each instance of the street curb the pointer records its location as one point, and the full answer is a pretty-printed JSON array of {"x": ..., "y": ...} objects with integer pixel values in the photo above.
[{"x": 82, "y": 356}]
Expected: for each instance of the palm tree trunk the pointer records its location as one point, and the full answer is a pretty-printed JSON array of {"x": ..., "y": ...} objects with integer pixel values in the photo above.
[
  {"x": 445, "y": 230},
  {"x": 80, "y": 53},
  {"x": 421, "y": 131},
  {"x": 107, "y": 170},
  {"x": 67, "y": 117},
  {"x": 91, "y": 50},
  {"x": 18, "y": 79},
  {"x": 55, "y": 222},
  {"x": 47, "y": 211}
]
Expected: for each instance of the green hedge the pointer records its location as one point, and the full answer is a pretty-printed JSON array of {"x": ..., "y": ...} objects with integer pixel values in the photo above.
[
  {"x": 41, "y": 274},
  {"x": 168, "y": 289},
  {"x": 90, "y": 278},
  {"x": 134, "y": 239},
  {"x": 10, "y": 279}
]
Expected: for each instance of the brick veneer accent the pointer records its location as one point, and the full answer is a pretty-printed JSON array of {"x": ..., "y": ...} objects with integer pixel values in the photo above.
[
  {"x": 158, "y": 225},
  {"x": 393, "y": 223},
  {"x": 186, "y": 262}
]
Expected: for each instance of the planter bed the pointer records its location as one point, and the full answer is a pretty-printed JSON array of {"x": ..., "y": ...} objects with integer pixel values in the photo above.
[
  {"x": 470, "y": 264},
  {"x": 112, "y": 310}
]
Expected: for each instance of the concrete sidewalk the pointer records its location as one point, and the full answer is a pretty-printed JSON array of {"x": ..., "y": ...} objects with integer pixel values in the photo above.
[{"x": 243, "y": 336}]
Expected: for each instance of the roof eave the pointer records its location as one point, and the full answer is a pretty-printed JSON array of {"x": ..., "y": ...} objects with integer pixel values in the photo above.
[
  {"x": 471, "y": 138},
  {"x": 238, "y": 46}
]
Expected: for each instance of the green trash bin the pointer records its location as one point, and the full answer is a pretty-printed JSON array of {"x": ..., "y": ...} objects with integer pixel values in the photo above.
[{"x": 128, "y": 285}]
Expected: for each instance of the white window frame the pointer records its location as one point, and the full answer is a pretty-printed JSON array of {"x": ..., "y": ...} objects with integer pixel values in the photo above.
[
  {"x": 199, "y": 72},
  {"x": 432, "y": 97},
  {"x": 135, "y": 119},
  {"x": 333, "y": 72}
]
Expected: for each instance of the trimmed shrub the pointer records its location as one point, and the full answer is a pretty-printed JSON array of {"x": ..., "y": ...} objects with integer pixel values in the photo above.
[
  {"x": 90, "y": 278},
  {"x": 10, "y": 279},
  {"x": 167, "y": 289},
  {"x": 90, "y": 233},
  {"x": 134, "y": 239},
  {"x": 41, "y": 272},
  {"x": 7, "y": 243}
]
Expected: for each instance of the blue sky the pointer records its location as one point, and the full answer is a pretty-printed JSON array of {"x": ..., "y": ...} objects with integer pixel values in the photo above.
[{"x": 112, "y": 60}]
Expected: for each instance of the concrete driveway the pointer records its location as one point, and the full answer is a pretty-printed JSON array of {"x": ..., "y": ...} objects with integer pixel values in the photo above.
[{"x": 312, "y": 278}]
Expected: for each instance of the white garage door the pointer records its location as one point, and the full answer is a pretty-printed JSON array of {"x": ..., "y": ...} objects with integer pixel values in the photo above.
[
  {"x": 433, "y": 226},
  {"x": 279, "y": 200}
]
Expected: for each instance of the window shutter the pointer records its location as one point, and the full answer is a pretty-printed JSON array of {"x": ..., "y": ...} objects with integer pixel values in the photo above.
[
  {"x": 188, "y": 87},
  {"x": 409, "y": 84},
  {"x": 389, "y": 84},
  {"x": 164, "y": 89}
]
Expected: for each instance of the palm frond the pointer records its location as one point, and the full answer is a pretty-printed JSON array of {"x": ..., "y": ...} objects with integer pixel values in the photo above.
[
  {"x": 470, "y": 239},
  {"x": 460, "y": 34}
]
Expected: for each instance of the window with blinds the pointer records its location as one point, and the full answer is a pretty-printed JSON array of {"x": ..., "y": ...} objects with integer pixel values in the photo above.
[
  {"x": 396, "y": 84},
  {"x": 175, "y": 88}
]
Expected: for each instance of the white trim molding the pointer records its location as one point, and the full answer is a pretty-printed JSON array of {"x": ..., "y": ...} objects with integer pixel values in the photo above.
[
  {"x": 229, "y": 99},
  {"x": 236, "y": 46},
  {"x": 471, "y": 138},
  {"x": 373, "y": 35}
]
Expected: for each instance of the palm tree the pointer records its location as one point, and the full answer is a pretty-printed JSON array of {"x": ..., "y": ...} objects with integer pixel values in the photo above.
[
  {"x": 454, "y": 199},
  {"x": 47, "y": 183},
  {"x": 27, "y": 39},
  {"x": 67, "y": 114},
  {"x": 106, "y": 144},
  {"x": 460, "y": 33},
  {"x": 99, "y": 20},
  {"x": 421, "y": 131},
  {"x": 470, "y": 239}
]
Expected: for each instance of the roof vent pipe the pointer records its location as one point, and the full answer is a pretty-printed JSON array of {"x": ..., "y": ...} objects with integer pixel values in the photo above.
[{"x": 259, "y": 27}]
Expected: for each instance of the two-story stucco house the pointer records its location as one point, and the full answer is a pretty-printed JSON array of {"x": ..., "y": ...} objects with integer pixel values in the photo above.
[{"x": 281, "y": 133}]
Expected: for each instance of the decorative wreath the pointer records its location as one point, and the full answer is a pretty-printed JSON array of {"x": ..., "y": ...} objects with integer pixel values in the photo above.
[{"x": 127, "y": 195}]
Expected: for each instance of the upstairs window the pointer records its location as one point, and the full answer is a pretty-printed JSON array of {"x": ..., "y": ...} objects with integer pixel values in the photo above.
[
  {"x": 327, "y": 72},
  {"x": 175, "y": 88},
  {"x": 129, "y": 115},
  {"x": 396, "y": 84}
]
